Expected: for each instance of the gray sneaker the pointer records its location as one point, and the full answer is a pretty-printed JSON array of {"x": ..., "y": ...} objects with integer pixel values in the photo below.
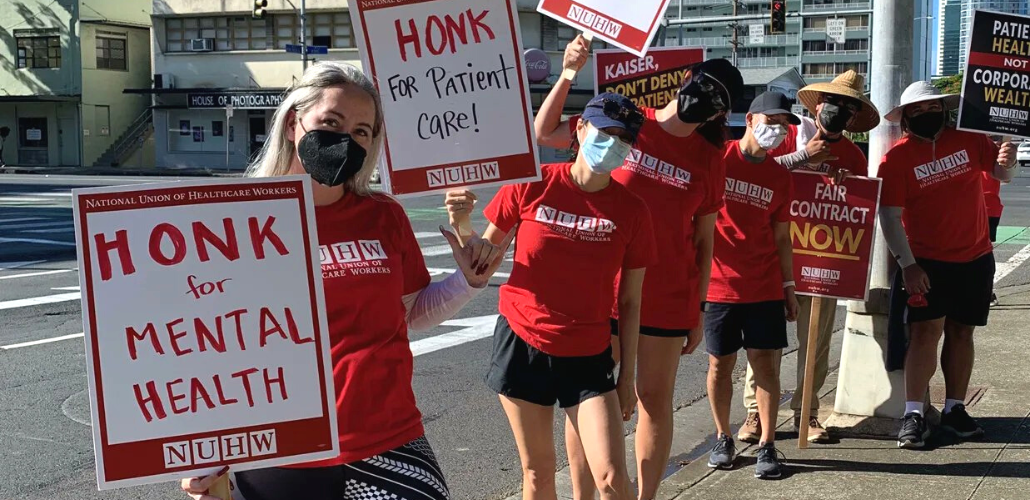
[
  {"x": 723, "y": 453},
  {"x": 769, "y": 465}
]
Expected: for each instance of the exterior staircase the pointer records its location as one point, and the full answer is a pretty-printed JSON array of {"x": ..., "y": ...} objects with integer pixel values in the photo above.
[{"x": 129, "y": 142}]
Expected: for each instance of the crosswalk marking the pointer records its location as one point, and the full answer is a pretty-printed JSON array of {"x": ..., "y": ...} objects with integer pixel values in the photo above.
[
  {"x": 40, "y": 273},
  {"x": 35, "y": 225},
  {"x": 43, "y": 341},
  {"x": 39, "y": 242},
  {"x": 14, "y": 265},
  {"x": 36, "y": 301},
  {"x": 51, "y": 231},
  {"x": 21, "y": 199},
  {"x": 19, "y": 219}
]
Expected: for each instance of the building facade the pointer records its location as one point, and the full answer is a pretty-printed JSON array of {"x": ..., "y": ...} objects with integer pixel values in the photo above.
[
  {"x": 970, "y": 6},
  {"x": 64, "y": 63},
  {"x": 949, "y": 28}
]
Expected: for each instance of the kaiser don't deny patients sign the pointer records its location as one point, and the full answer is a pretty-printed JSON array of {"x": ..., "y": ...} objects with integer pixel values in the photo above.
[{"x": 205, "y": 326}]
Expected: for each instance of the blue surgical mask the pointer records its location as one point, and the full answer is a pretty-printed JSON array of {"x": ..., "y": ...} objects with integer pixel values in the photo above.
[{"x": 603, "y": 153}]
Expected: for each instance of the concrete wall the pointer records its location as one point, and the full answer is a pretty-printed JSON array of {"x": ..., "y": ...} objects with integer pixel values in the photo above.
[
  {"x": 18, "y": 15},
  {"x": 194, "y": 7},
  {"x": 61, "y": 129},
  {"x": 102, "y": 89}
]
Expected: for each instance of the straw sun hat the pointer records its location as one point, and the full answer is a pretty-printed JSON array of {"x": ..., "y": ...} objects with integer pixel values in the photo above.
[
  {"x": 847, "y": 84},
  {"x": 922, "y": 92}
]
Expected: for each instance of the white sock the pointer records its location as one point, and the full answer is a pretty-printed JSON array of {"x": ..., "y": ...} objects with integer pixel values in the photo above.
[
  {"x": 914, "y": 407},
  {"x": 950, "y": 403}
]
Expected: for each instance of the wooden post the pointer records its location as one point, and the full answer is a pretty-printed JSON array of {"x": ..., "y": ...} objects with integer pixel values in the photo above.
[
  {"x": 806, "y": 394},
  {"x": 221, "y": 488},
  {"x": 570, "y": 74}
]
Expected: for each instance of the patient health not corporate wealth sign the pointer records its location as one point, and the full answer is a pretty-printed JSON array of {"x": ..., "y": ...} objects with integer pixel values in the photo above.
[
  {"x": 832, "y": 229},
  {"x": 455, "y": 95},
  {"x": 206, "y": 334},
  {"x": 627, "y": 24},
  {"x": 996, "y": 85}
]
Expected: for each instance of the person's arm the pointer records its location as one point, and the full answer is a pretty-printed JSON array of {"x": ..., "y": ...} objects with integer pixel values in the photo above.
[
  {"x": 630, "y": 292},
  {"x": 548, "y": 126},
  {"x": 793, "y": 160},
  {"x": 785, "y": 251},
  {"x": 916, "y": 280},
  {"x": 438, "y": 302},
  {"x": 704, "y": 244}
]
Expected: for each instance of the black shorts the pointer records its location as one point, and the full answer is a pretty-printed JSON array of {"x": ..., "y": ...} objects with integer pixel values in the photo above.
[
  {"x": 757, "y": 325},
  {"x": 959, "y": 291},
  {"x": 406, "y": 473},
  {"x": 521, "y": 371},
  {"x": 993, "y": 222},
  {"x": 651, "y": 331}
]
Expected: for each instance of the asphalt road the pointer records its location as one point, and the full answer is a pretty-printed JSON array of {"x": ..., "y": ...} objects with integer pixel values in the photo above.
[{"x": 46, "y": 448}]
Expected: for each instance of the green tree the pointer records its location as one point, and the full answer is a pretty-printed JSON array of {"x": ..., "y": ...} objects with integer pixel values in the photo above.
[{"x": 950, "y": 85}]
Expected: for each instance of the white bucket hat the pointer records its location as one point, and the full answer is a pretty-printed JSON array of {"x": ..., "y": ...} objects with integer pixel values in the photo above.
[{"x": 921, "y": 92}]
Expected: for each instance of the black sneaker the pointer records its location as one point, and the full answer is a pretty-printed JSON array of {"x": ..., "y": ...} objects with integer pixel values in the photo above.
[
  {"x": 961, "y": 424},
  {"x": 913, "y": 432},
  {"x": 723, "y": 453},
  {"x": 769, "y": 465}
]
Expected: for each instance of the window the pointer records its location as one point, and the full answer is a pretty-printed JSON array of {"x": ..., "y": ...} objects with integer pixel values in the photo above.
[
  {"x": 249, "y": 33},
  {"x": 111, "y": 51},
  {"x": 39, "y": 51}
]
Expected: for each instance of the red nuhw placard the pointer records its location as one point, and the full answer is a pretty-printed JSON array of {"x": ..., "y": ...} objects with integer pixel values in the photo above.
[
  {"x": 832, "y": 228},
  {"x": 206, "y": 335},
  {"x": 455, "y": 96},
  {"x": 629, "y": 25}
]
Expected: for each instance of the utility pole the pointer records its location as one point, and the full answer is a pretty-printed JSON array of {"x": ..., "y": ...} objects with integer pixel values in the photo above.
[
  {"x": 736, "y": 32},
  {"x": 870, "y": 389},
  {"x": 304, "y": 33}
]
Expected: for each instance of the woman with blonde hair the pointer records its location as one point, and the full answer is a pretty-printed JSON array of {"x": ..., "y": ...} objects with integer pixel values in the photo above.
[{"x": 330, "y": 126}]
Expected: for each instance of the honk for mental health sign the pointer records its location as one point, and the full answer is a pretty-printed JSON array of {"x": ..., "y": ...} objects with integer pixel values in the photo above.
[
  {"x": 996, "y": 85},
  {"x": 455, "y": 95},
  {"x": 832, "y": 227},
  {"x": 205, "y": 326},
  {"x": 650, "y": 81}
]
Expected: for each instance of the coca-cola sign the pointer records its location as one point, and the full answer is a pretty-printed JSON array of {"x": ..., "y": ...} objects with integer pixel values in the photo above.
[{"x": 538, "y": 65}]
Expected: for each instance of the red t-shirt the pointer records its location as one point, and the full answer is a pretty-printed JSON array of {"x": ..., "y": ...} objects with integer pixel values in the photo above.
[
  {"x": 679, "y": 178},
  {"x": 746, "y": 267},
  {"x": 992, "y": 195},
  {"x": 940, "y": 187},
  {"x": 570, "y": 246},
  {"x": 370, "y": 259},
  {"x": 849, "y": 156}
]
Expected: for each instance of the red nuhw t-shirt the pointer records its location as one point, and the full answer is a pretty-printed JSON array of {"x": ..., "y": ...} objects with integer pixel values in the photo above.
[
  {"x": 679, "y": 178},
  {"x": 849, "y": 155},
  {"x": 940, "y": 186},
  {"x": 992, "y": 195},
  {"x": 370, "y": 260},
  {"x": 745, "y": 266},
  {"x": 570, "y": 246}
]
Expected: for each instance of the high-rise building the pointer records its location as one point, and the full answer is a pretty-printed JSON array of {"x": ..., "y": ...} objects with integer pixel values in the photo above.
[
  {"x": 969, "y": 6},
  {"x": 949, "y": 27},
  {"x": 924, "y": 58}
]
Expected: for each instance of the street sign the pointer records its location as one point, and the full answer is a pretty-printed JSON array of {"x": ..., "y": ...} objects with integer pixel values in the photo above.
[
  {"x": 836, "y": 28},
  {"x": 756, "y": 34},
  {"x": 294, "y": 49},
  {"x": 797, "y": 109},
  {"x": 312, "y": 49},
  {"x": 240, "y": 99}
]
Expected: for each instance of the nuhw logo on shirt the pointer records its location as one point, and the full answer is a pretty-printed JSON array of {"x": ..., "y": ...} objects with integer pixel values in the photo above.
[
  {"x": 649, "y": 166},
  {"x": 581, "y": 227},
  {"x": 942, "y": 169},
  {"x": 749, "y": 193},
  {"x": 353, "y": 258}
]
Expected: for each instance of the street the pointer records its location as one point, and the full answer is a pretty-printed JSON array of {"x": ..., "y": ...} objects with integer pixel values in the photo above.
[{"x": 46, "y": 446}]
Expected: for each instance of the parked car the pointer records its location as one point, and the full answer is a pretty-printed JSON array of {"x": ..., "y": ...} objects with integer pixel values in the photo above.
[{"x": 1023, "y": 154}]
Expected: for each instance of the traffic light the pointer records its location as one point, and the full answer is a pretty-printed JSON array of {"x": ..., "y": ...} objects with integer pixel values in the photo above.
[
  {"x": 259, "y": 9},
  {"x": 778, "y": 23}
]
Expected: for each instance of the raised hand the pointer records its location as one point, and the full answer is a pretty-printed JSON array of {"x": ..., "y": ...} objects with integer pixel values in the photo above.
[
  {"x": 576, "y": 54},
  {"x": 479, "y": 259}
]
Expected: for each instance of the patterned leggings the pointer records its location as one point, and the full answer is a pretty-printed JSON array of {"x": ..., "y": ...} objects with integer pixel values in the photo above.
[{"x": 406, "y": 473}]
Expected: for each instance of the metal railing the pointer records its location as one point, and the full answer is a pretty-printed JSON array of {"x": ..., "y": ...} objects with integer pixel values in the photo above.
[
  {"x": 835, "y": 52},
  {"x": 766, "y": 62},
  {"x": 823, "y": 29},
  {"x": 129, "y": 141},
  {"x": 829, "y": 76},
  {"x": 815, "y": 7},
  {"x": 724, "y": 41}
]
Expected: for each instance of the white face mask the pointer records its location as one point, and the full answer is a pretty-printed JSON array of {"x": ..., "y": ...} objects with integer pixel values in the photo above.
[{"x": 769, "y": 136}]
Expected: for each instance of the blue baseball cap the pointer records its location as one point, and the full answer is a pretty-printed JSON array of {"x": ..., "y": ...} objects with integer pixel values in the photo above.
[{"x": 614, "y": 110}]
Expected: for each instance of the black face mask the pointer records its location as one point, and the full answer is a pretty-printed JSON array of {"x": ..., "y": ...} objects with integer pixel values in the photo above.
[
  {"x": 834, "y": 119},
  {"x": 329, "y": 157},
  {"x": 699, "y": 100},
  {"x": 927, "y": 125}
]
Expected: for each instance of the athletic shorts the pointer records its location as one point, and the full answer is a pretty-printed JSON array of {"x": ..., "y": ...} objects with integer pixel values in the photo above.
[
  {"x": 959, "y": 291},
  {"x": 521, "y": 371},
  {"x": 406, "y": 473},
  {"x": 757, "y": 325},
  {"x": 992, "y": 223},
  {"x": 651, "y": 331}
]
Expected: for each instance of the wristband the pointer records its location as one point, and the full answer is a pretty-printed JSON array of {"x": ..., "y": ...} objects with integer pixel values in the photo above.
[{"x": 789, "y": 284}]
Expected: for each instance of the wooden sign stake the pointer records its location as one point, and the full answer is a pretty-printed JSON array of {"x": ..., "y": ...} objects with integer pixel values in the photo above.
[
  {"x": 806, "y": 394},
  {"x": 221, "y": 488}
]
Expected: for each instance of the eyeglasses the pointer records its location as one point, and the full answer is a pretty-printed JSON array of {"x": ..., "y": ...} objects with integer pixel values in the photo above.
[
  {"x": 843, "y": 102},
  {"x": 713, "y": 88},
  {"x": 634, "y": 119}
]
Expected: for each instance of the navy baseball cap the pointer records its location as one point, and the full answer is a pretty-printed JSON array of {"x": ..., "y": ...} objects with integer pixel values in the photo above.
[
  {"x": 614, "y": 110},
  {"x": 773, "y": 103}
]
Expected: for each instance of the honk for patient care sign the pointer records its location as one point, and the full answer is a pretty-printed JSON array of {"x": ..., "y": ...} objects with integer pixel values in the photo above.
[
  {"x": 455, "y": 95},
  {"x": 205, "y": 328}
]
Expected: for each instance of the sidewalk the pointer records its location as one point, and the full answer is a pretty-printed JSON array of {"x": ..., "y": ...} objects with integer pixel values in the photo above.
[{"x": 996, "y": 468}]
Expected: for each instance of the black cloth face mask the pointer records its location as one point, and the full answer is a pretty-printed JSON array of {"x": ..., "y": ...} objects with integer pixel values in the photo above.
[
  {"x": 927, "y": 125},
  {"x": 699, "y": 100},
  {"x": 834, "y": 119},
  {"x": 330, "y": 158}
]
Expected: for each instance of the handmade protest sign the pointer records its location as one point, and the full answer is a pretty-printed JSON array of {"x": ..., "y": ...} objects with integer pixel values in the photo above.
[
  {"x": 205, "y": 326},
  {"x": 832, "y": 227},
  {"x": 996, "y": 85},
  {"x": 455, "y": 95},
  {"x": 652, "y": 81},
  {"x": 627, "y": 25}
]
